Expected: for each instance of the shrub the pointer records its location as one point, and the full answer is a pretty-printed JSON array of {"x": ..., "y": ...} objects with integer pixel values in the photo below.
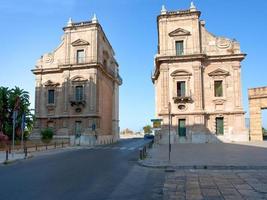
[{"x": 47, "y": 135}]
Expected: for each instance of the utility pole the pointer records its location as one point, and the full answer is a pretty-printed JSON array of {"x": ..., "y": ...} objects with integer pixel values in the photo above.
[{"x": 169, "y": 131}]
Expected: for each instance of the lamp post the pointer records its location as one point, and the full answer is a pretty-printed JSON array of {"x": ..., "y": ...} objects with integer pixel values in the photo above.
[{"x": 169, "y": 108}]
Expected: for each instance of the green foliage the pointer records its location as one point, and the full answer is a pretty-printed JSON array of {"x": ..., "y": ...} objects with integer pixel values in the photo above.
[
  {"x": 147, "y": 129},
  {"x": 7, "y": 103},
  {"x": 47, "y": 135}
]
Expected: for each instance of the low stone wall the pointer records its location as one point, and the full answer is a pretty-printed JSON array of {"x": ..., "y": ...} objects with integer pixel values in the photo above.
[{"x": 91, "y": 140}]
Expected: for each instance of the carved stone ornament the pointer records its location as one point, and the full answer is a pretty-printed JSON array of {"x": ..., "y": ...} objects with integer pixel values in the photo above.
[
  {"x": 78, "y": 79},
  {"x": 219, "y": 72},
  {"x": 182, "y": 107},
  {"x": 50, "y": 83},
  {"x": 181, "y": 73},
  {"x": 79, "y": 42},
  {"x": 219, "y": 101},
  {"x": 49, "y": 58},
  {"x": 179, "y": 32},
  {"x": 223, "y": 43}
]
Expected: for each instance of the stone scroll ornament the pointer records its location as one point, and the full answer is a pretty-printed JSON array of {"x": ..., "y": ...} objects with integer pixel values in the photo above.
[
  {"x": 49, "y": 58},
  {"x": 223, "y": 43}
]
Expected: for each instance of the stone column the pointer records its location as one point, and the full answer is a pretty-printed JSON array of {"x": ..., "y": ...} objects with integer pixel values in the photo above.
[
  {"x": 198, "y": 87},
  {"x": 237, "y": 86},
  {"x": 164, "y": 87},
  {"x": 255, "y": 120}
]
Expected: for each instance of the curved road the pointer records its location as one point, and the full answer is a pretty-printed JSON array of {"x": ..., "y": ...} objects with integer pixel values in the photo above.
[{"x": 107, "y": 172}]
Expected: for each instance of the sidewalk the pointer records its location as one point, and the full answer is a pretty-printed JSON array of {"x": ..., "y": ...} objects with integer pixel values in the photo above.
[
  {"x": 252, "y": 155},
  {"x": 17, "y": 156}
]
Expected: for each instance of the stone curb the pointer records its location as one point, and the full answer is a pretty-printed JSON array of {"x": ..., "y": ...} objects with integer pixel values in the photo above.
[
  {"x": 16, "y": 160},
  {"x": 143, "y": 163}
]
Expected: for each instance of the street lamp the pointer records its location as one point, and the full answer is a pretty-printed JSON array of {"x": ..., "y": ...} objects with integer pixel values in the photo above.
[{"x": 169, "y": 108}]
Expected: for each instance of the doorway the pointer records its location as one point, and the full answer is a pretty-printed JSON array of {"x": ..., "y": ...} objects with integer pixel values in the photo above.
[
  {"x": 219, "y": 126},
  {"x": 182, "y": 127},
  {"x": 264, "y": 123}
]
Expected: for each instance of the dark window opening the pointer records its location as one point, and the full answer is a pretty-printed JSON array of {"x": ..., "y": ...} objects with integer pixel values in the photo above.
[
  {"x": 181, "y": 89},
  {"x": 51, "y": 96}
]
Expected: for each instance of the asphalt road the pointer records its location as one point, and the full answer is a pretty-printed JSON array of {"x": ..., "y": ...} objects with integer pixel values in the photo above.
[{"x": 109, "y": 172}]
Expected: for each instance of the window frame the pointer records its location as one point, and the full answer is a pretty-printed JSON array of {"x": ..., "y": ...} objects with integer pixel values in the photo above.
[
  {"x": 184, "y": 90},
  {"x": 215, "y": 89},
  {"x": 80, "y": 60},
  {"x": 81, "y": 95},
  {"x": 181, "y": 51}
]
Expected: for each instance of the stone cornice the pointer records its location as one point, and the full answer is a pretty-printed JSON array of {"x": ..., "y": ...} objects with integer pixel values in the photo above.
[
  {"x": 97, "y": 115},
  {"x": 75, "y": 67},
  {"x": 193, "y": 57},
  {"x": 203, "y": 113}
]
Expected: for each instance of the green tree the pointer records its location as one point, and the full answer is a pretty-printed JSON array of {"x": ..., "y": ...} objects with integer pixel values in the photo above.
[
  {"x": 8, "y": 100},
  {"x": 147, "y": 129}
]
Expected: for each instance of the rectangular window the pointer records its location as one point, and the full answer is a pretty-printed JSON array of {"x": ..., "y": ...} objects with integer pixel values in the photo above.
[
  {"x": 181, "y": 128},
  {"x": 218, "y": 88},
  {"x": 51, "y": 96},
  {"x": 79, "y": 93},
  {"x": 80, "y": 56},
  {"x": 179, "y": 48},
  {"x": 219, "y": 126},
  {"x": 181, "y": 89}
]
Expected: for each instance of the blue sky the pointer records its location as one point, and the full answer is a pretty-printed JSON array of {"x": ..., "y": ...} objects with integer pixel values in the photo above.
[{"x": 33, "y": 27}]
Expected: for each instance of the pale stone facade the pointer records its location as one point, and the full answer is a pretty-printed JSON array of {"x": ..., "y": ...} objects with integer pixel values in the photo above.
[
  {"x": 77, "y": 85},
  {"x": 257, "y": 102},
  {"x": 199, "y": 74}
]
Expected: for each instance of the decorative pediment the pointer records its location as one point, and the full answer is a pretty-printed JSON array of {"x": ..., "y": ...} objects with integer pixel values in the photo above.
[
  {"x": 78, "y": 79},
  {"x": 79, "y": 42},
  {"x": 51, "y": 83},
  {"x": 219, "y": 72},
  {"x": 179, "y": 32},
  {"x": 181, "y": 73}
]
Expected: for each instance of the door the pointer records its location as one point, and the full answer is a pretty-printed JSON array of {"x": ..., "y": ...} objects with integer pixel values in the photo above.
[
  {"x": 181, "y": 128},
  {"x": 78, "y": 128},
  {"x": 219, "y": 126}
]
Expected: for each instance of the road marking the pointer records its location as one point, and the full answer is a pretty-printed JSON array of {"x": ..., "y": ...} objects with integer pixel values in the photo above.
[
  {"x": 122, "y": 148},
  {"x": 132, "y": 148}
]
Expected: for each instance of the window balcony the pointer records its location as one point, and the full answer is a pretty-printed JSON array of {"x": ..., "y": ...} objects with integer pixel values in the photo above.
[
  {"x": 78, "y": 103},
  {"x": 77, "y": 61},
  {"x": 183, "y": 99},
  {"x": 180, "y": 52}
]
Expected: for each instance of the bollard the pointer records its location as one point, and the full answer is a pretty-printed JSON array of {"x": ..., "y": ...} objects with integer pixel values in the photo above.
[
  {"x": 6, "y": 155},
  {"x": 55, "y": 145},
  {"x": 144, "y": 154},
  {"x": 46, "y": 147},
  {"x": 141, "y": 154},
  {"x": 36, "y": 148},
  {"x": 26, "y": 152},
  {"x": 9, "y": 148}
]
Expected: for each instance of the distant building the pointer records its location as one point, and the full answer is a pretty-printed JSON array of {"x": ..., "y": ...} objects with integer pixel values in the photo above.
[
  {"x": 199, "y": 75},
  {"x": 77, "y": 85}
]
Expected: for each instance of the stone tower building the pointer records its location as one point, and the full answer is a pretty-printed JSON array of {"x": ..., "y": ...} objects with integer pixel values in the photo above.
[
  {"x": 77, "y": 85},
  {"x": 198, "y": 75}
]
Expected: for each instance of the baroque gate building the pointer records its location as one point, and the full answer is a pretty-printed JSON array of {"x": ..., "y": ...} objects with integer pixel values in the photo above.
[
  {"x": 197, "y": 79},
  {"x": 77, "y": 85}
]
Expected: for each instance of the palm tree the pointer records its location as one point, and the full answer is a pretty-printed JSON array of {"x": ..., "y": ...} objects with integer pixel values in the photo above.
[
  {"x": 4, "y": 96},
  {"x": 24, "y": 104}
]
